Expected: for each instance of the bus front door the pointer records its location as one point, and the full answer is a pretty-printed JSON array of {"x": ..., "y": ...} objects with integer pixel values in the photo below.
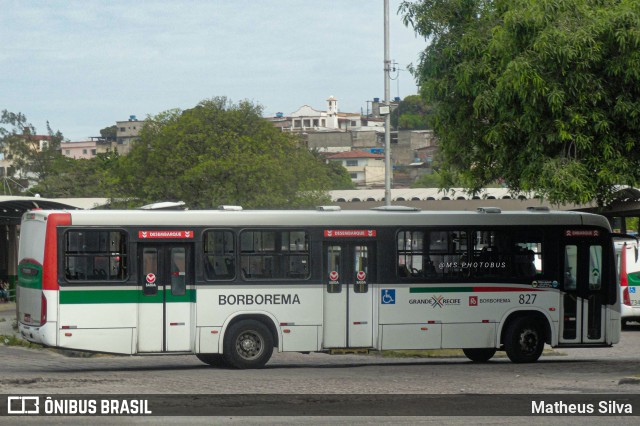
[
  {"x": 348, "y": 294},
  {"x": 582, "y": 313},
  {"x": 166, "y": 298}
]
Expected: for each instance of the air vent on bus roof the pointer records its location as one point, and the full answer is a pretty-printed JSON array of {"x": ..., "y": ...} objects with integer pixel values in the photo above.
[
  {"x": 164, "y": 205},
  {"x": 328, "y": 208},
  {"x": 488, "y": 210},
  {"x": 538, "y": 209},
  {"x": 396, "y": 209},
  {"x": 230, "y": 208}
]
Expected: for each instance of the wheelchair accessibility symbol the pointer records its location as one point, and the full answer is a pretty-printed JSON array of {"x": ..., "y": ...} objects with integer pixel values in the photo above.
[{"x": 388, "y": 296}]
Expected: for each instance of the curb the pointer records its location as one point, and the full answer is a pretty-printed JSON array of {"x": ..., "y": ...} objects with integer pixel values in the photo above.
[{"x": 7, "y": 306}]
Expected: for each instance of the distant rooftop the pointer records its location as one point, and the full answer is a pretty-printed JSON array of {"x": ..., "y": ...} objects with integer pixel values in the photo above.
[{"x": 354, "y": 154}]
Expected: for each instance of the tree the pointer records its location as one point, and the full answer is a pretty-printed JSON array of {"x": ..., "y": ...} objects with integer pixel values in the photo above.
[
  {"x": 411, "y": 114},
  {"x": 32, "y": 155},
  {"x": 70, "y": 178},
  {"x": 109, "y": 133},
  {"x": 221, "y": 153},
  {"x": 544, "y": 94},
  {"x": 338, "y": 175},
  {"x": 428, "y": 180}
]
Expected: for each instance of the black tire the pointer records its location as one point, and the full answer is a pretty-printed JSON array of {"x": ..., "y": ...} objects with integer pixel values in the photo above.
[
  {"x": 524, "y": 340},
  {"x": 624, "y": 324},
  {"x": 479, "y": 354},
  {"x": 214, "y": 360},
  {"x": 248, "y": 344}
]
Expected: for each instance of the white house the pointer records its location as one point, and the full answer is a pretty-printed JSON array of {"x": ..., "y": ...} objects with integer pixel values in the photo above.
[{"x": 365, "y": 168}]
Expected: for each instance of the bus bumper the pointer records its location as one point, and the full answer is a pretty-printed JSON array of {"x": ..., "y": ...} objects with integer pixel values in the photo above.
[{"x": 43, "y": 335}]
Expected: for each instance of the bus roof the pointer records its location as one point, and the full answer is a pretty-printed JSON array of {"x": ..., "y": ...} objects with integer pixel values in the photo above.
[{"x": 370, "y": 218}]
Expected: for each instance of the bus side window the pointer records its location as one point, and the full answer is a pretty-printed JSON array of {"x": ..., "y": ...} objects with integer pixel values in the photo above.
[
  {"x": 412, "y": 261},
  {"x": 95, "y": 255},
  {"x": 219, "y": 255}
]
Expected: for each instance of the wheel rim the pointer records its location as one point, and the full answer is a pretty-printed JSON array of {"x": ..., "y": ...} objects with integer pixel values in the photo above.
[
  {"x": 249, "y": 345},
  {"x": 529, "y": 341}
]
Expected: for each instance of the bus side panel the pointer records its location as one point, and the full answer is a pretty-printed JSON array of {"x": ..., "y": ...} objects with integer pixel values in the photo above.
[
  {"x": 613, "y": 326},
  {"x": 468, "y": 335},
  {"x": 300, "y": 338},
  {"x": 294, "y": 305},
  {"x": 466, "y": 315},
  {"x": 91, "y": 319},
  {"x": 109, "y": 340},
  {"x": 208, "y": 340},
  {"x": 411, "y": 336}
]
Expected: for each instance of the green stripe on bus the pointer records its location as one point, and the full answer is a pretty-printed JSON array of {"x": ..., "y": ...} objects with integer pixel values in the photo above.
[{"x": 75, "y": 297}]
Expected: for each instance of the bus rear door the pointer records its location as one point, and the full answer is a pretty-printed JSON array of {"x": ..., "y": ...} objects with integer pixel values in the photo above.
[
  {"x": 583, "y": 316},
  {"x": 166, "y": 299},
  {"x": 349, "y": 275}
]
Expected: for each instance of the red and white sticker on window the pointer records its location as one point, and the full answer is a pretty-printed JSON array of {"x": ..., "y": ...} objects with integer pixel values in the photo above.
[
  {"x": 349, "y": 233},
  {"x": 165, "y": 234}
]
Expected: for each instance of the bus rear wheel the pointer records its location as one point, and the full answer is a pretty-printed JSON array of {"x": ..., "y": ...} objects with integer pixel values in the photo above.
[
  {"x": 214, "y": 360},
  {"x": 524, "y": 340},
  {"x": 479, "y": 354},
  {"x": 248, "y": 344}
]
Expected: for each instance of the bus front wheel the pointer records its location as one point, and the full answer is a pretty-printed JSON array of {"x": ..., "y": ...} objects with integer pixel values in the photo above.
[
  {"x": 524, "y": 340},
  {"x": 248, "y": 344},
  {"x": 479, "y": 354}
]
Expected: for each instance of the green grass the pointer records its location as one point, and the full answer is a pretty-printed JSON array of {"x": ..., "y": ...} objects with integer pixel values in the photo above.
[{"x": 11, "y": 340}]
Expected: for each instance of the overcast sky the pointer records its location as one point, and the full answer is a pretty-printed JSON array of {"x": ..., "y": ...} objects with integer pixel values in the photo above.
[{"x": 83, "y": 65}]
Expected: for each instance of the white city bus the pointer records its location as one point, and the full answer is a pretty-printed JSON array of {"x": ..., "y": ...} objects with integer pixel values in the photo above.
[
  {"x": 627, "y": 261},
  {"x": 230, "y": 286}
]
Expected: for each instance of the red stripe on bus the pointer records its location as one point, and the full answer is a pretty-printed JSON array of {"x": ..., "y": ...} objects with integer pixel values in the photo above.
[
  {"x": 489, "y": 289},
  {"x": 50, "y": 267}
]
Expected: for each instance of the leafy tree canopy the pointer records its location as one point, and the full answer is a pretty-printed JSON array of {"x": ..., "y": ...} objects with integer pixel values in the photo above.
[
  {"x": 221, "y": 153},
  {"x": 32, "y": 155},
  {"x": 109, "y": 133},
  {"x": 68, "y": 178},
  {"x": 412, "y": 114},
  {"x": 544, "y": 94},
  {"x": 431, "y": 180}
]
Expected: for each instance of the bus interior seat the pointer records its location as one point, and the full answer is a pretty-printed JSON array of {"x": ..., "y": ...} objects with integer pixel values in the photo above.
[{"x": 403, "y": 271}]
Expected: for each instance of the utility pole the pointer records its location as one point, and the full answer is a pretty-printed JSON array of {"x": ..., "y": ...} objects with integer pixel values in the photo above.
[{"x": 387, "y": 108}]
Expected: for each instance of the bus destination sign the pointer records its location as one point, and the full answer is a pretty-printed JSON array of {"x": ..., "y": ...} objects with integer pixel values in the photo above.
[
  {"x": 582, "y": 233},
  {"x": 349, "y": 233},
  {"x": 162, "y": 233}
]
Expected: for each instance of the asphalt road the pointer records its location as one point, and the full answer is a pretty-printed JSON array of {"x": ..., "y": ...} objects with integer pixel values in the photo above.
[{"x": 568, "y": 371}]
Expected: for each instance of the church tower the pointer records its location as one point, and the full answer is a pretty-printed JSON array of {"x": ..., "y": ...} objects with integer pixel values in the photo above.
[{"x": 332, "y": 113}]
